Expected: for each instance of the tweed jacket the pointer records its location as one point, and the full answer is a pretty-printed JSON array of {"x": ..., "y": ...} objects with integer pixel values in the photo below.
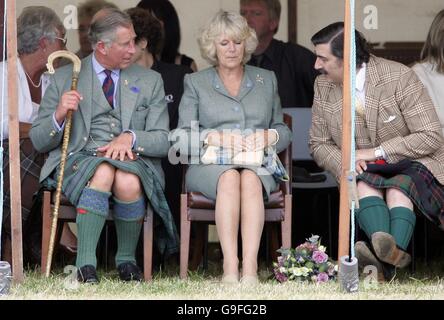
[
  {"x": 140, "y": 96},
  {"x": 206, "y": 100},
  {"x": 399, "y": 117}
]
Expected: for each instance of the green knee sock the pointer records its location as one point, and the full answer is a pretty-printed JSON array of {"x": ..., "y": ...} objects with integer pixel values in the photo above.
[
  {"x": 127, "y": 238},
  {"x": 128, "y": 218},
  {"x": 373, "y": 215},
  {"x": 402, "y": 224},
  {"x": 92, "y": 211}
]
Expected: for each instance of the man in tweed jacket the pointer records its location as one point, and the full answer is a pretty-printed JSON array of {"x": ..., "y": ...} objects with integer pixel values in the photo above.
[{"x": 395, "y": 120}]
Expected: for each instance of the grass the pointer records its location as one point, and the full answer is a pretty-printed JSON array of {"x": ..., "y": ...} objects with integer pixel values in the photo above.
[{"x": 427, "y": 283}]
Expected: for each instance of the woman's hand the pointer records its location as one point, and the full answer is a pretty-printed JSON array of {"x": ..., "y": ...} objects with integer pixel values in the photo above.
[
  {"x": 260, "y": 139},
  {"x": 227, "y": 140}
]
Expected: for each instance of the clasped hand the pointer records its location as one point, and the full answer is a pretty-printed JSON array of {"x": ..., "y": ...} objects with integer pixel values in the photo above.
[{"x": 253, "y": 142}]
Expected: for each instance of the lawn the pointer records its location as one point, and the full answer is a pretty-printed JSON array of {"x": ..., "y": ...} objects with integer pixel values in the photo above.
[{"x": 426, "y": 283}]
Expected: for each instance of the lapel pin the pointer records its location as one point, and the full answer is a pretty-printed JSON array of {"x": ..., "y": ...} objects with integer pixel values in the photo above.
[
  {"x": 125, "y": 82},
  {"x": 259, "y": 79}
]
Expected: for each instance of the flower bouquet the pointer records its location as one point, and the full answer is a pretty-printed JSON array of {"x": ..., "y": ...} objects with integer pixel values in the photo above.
[{"x": 307, "y": 262}]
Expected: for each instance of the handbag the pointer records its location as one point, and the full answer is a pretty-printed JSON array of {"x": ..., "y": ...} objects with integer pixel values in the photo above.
[{"x": 219, "y": 155}]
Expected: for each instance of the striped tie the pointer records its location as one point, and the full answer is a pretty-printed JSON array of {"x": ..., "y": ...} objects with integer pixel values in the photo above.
[{"x": 108, "y": 88}]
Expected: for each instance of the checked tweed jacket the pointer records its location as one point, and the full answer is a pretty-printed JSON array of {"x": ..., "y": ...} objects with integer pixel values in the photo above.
[{"x": 399, "y": 116}]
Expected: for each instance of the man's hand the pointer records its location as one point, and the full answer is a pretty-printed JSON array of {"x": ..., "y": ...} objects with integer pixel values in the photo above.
[
  {"x": 260, "y": 140},
  {"x": 362, "y": 157},
  {"x": 119, "y": 147},
  {"x": 69, "y": 101}
]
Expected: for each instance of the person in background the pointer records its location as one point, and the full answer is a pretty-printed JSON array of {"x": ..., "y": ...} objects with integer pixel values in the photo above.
[
  {"x": 85, "y": 13},
  {"x": 166, "y": 13},
  {"x": 292, "y": 63},
  {"x": 39, "y": 33},
  {"x": 431, "y": 67},
  {"x": 149, "y": 38}
]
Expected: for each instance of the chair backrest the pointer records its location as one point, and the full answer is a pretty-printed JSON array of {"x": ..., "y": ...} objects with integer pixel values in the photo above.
[
  {"x": 286, "y": 155},
  {"x": 301, "y": 122}
]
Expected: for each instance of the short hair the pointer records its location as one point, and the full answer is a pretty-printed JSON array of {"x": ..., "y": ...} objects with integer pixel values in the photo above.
[
  {"x": 333, "y": 34},
  {"x": 105, "y": 23},
  {"x": 165, "y": 11},
  {"x": 35, "y": 23},
  {"x": 89, "y": 8},
  {"x": 234, "y": 26},
  {"x": 147, "y": 27},
  {"x": 433, "y": 50},
  {"x": 273, "y": 6}
]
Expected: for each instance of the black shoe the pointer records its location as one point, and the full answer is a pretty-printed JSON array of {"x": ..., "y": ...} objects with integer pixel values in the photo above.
[
  {"x": 128, "y": 271},
  {"x": 87, "y": 274},
  {"x": 302, "y": 175}
]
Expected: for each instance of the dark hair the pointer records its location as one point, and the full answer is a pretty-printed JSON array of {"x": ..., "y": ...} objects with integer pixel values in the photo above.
[
  {"x": 147, "y": 27},
  {"x": 433, "y": 50},
  {"x": 334, "y": 35},
  {"x": 164, "y": 11}
]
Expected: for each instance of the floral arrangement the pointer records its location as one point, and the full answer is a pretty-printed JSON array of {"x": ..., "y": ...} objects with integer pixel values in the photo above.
[{"x": 307, "y": 262}]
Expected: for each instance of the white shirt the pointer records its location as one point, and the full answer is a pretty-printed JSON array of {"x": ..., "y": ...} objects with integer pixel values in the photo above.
[
  {"x": 27, "y": 109},
  {"x": 360, "y": 84}
]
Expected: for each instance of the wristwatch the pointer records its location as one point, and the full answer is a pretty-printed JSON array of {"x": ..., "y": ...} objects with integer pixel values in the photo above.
[{"x": 379, "y": 153}]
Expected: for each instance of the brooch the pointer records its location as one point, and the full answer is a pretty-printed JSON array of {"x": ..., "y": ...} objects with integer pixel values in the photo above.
[
  {"x": 135, "y": 89},
  {"x": 259, "y": 79}
]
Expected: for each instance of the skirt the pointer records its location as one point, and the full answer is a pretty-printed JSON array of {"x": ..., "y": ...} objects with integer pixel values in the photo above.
[
  {"x": 204, "y": 179},
  {"x": 426, "y": 193},
  {"x": 81, "y": 166}
]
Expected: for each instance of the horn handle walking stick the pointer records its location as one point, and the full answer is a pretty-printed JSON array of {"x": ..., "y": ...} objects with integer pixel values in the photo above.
[{"x": 75, "y": 75}]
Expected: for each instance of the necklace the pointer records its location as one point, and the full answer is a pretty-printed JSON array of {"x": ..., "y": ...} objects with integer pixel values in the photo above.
[{"x": 32, "y": 82}]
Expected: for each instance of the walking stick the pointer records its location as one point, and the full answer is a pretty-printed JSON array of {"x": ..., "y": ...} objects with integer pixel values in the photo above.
[{"x": 75, "y": 75}]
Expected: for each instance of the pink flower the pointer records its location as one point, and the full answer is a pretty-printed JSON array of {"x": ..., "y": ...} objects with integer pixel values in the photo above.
[
  {"x": 322, "y": 277},
  {"x": 319, "y": 257},
  {"x": 280, "y": 276}
]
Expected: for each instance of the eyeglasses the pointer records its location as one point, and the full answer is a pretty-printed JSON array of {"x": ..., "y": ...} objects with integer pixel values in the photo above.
[{"x": 64, "y": 40}]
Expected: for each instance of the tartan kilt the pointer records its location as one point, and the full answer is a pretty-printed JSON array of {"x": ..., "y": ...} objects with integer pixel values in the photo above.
[
  {"x": 81, "y": 166},
  {"x": 433, "y": 210},
  {"x": 31, "y": 163}
]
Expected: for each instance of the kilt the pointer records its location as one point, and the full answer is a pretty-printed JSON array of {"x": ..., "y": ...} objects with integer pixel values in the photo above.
[
  {"x": 419, "y": 184},
  {"x": 81, "y": 166},
  {"x": 31, "y": 163}
]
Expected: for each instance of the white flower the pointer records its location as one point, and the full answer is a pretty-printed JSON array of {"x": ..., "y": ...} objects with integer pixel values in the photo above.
[
  {"x": 322, "y": 248},
  {"x": 297, "y": 272},
  {"x": 282, "y": 270}
]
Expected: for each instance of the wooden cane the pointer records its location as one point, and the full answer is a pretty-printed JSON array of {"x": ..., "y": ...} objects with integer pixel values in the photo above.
[{"x": 75, "y": 76}]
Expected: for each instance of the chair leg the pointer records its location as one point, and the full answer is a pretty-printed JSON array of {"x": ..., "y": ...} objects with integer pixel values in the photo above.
[
  {"x": 148, "y": 244},
  {"x": 46, "y": 228},
  {"x": 185, "y": 226},
  {"x": 286, "y": 224}
]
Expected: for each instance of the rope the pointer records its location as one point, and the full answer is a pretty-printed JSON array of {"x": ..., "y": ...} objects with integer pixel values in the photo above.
[
  {"x": 353, "y": 115},
  {"x": 1, "y": 121}
]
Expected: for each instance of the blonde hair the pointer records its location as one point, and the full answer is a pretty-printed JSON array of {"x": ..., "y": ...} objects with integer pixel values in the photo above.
[
  {"x": 433, "y": 50},
  {"x": 232, "y": 25}
]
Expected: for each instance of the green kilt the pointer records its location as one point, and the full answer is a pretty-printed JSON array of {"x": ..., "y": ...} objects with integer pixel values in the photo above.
[
  {"x": 427, "y": 194},
  {"x": 81, "y": 166}
]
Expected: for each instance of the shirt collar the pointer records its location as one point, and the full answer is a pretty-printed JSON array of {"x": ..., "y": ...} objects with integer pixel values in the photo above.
[
  {"x": 360, "y": 78},
  {"x": 98, "y": 68}
]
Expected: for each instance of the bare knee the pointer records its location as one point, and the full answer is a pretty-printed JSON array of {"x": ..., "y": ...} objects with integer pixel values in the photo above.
[
  {"x": 103, "y": 178},
  {"x": 127, "y": 186},
  {"x": 364, "y": 190},
  {"x": 229, "y": 182},
  {"x": 251, "y": 184},
  {"x": 396, "y": 198}
]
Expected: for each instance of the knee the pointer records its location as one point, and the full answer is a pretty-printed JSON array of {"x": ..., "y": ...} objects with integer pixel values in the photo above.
[
  {"x": 250, "y": 183},
  {"x": 127, "y": 186},
  {"x": 229, "y": 181},
  {"x": 364, "y": 190},
  {"x": 103, "y": 178},
  {"x": 396, "y": 198}
]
